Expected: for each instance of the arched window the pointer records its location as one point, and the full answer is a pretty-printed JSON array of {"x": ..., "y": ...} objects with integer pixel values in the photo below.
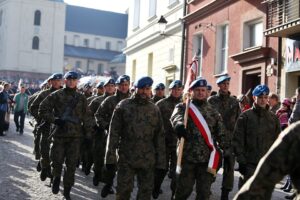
[
  {"x": 37, "y": 18},
  {"x": 35, "y": 42}
]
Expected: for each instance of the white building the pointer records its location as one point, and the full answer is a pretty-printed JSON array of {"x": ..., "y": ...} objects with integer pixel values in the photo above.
[
  {"x": 148, "y": 52},
  {"x": 31, "y": 42},
  {"x": 40, "y": 37}
]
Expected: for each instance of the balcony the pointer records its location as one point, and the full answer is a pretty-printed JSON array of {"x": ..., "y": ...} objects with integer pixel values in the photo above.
[{"x": 283, "y": 18}]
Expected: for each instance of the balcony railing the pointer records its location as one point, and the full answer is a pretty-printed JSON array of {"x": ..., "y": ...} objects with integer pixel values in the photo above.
[{"x": 282, "y": 12}]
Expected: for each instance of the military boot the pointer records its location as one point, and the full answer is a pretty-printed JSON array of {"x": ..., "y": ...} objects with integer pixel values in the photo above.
[
  {"x": 95, "y": 180},
  {"x": 67, "y": 191},
  {"x": 38, "y": 167},
  {"x": 55, "y": 185},
  {"x": 224, "y": 195},
  {"x": 43, "y": 174},
  {"x": 106, "y": 190}
]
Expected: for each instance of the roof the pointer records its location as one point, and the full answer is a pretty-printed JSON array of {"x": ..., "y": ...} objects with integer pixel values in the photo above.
[
  {"x": 83, "y": 52},
  {"x": 121, "y": 58},
  {"x": 96, "y": 22}
]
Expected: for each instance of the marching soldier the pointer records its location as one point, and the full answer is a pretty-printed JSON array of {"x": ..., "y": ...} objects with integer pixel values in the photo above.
[
  {"x": 100, "y": 90},
  {"x": 196, "y": 152},
  {"x": 229, "y": 109},
  {"x": 136, "y": 131},
  {"x": 44, "y": 129},
  {"x": 159, "y": 92},
  {"x": 68, "y": 110},
  {"x": 255, "y": 131},
  {"x": 166, "y": 107},
  {"x": 281, "y": 159},
  {"x": 100, "y": 134},
  {"x": 103, "y": 117}
]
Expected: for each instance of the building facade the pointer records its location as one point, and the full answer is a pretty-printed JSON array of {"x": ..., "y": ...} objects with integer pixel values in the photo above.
[
  {"x": 31, "y": 38},
  {"x": 228, "y": 38},
  {"x": 150, "y": 51},
  {"x": 284, "y": 24}
]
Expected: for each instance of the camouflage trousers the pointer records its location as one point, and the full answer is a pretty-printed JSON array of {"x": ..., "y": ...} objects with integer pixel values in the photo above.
[
  {"x": 45, "y": 148},
  {"x": 37, "y": 138},
  {"x": 159, "y": 175},
  {"x": 65, "y": 150},
  {"x": 250, "y": 169},
  {"x": 98, "y": 154},
  {"x": 125, "y": 182},
  {"x": 191, "y": 173},
  {"x": 228, "y": 173}
]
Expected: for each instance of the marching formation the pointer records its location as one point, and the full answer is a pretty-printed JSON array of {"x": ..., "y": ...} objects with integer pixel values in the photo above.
[{"x": 129, "y": 134}]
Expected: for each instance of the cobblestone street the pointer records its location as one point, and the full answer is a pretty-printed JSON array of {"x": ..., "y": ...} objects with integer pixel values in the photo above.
[{"x": 19, "y": 179}]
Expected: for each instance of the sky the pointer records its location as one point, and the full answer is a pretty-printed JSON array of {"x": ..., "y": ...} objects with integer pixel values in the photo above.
[{"x": 119, "y": 6}]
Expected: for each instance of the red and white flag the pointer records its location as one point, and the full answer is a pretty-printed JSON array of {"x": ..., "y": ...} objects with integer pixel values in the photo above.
[
  {"x": 192, "y": 71},
  {"x": 203, "y": 128}
]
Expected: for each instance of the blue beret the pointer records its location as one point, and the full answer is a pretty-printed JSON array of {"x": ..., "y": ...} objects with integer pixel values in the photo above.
[
  {"x": 176, "y": 83},
  {"x": 145, "y": 81},
  {"x": 209, "y": 87},
  {"x": 123, "y": 78},
  {"x": 87, "y": 85},
  {"x": 100, "y": 84},
  {"x": 198, "y": 83},
  {"x": 260, "y": 90},
  {"x": 109, "y": 81},
  {"x": 160, "y": 86},
  {"x": 71, "y": 75},
  {"x": 55, "y": 76},
  {"x": 223, "y": 78}
]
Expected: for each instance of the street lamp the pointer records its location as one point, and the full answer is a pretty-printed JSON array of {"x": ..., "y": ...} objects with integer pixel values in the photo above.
[{"x": 162, "y": 25}]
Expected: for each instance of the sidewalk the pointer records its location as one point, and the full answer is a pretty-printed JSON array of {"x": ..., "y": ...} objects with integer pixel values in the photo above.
[{"x": 19, "y": 179}]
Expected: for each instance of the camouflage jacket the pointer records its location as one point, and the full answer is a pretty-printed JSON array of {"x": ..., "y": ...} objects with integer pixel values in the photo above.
[
  {"x": 166, "y": 107},
  {"x": 229, "y": 109},
  {"x": 105, "y": 111},
  {"x": 31, "y": 100},
  {"x": 295, "y": 116},
  {"x": 155, "y": 98},
  {"x": 38, "y": 100},
  {"x": 282, "y": 159},
  {"x": 96, "y": 102},
  {"x": 256, "y": 130},
  {"x": 136, "y": 130},
  {"x": 91, "y": 98},
  {"x": 195, "y": 149},
  {"x": 54, "y": 106}
]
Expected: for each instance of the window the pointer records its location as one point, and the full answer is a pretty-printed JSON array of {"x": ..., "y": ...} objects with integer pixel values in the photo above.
[
  {"x": 35, "y": 42},
  {"x": 171, "y": 55},
  {"x": 197, "y": 49},
  {"x": 100, "y": 69},
  {"x": 76, "y": 40},
  {"x": 86, "y": 42},
  {"x": 150, "y": 64},
  {"x": 120, "y": 45},
  {"x": 222, "y": 49},
  {"x": 97, "y": 43},
  {"x": 1, "y": 17},
  {"x": 152, "y": 8},
  {"x": 136, "y": 14},
  {"x": 107, "y": 45},
  {"x": 253, "y": 34},
  {"x": 65, "y": 39},
  {"x": 78, "y": 64},
  {"x": 37, "y": 18},
  {"x": 171, "y": 2}
]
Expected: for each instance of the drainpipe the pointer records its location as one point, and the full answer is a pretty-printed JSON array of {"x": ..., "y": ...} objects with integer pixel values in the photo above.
[
  {"x": 183, "y": 43},
  {"x": 279, "y": 60}
]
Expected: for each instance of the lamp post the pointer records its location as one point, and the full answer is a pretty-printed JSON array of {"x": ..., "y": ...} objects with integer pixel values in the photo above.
[{"x": 162, "y": 24}]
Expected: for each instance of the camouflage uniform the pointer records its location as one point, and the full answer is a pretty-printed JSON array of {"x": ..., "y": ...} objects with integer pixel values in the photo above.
[
  {"x": 166, "y": 107},
  {"x": 255, "y": 131},
  {"x": 282, "y": 159},
  {"x": 229, "y": 109},
  {"x": 99, "y": 139},
  {"x": 37, "y": 136},
  {"x": 136, "y": 130},
  {"x": 196, "y": 152},
  {"x": 156, "y": 98},
  {"x": 67, "y": 138},
  {"x": 103, "y": 116}
]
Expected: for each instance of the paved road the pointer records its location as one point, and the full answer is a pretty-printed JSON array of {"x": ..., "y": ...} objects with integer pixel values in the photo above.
[{"x": 19, "y": 179}]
